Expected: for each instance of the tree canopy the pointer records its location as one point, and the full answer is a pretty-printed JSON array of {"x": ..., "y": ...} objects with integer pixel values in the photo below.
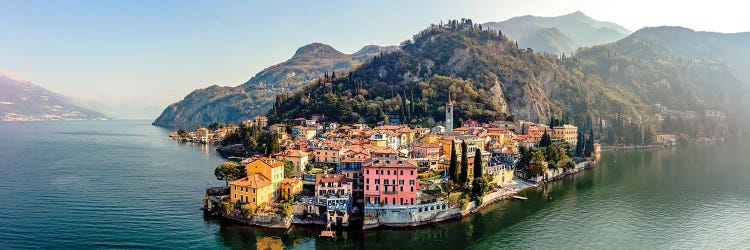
[{"x": 229, "y": 171}]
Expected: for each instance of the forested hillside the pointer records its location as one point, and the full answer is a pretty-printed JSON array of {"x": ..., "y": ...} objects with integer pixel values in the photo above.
[
  {"x": 233, "y": 104},
  {"x": 490, "y": 78}
]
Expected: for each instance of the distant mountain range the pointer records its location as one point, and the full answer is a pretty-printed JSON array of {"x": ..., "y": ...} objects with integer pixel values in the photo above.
[
  {"x": 217, "y": 103},
  {"x": 643, "y": 76},
  {"x": 561, "y": 34},
  {"x": 732, "y": 49},
  {"x": 21, "y": 100},
  {"x": 650, "y": 74}
]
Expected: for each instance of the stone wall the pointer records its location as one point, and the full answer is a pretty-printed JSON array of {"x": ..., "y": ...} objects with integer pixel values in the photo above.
[{"x": 409, "y": 215}]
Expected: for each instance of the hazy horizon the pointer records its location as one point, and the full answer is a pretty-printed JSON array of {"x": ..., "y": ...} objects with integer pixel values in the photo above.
[{"x": 134, "y": 58}]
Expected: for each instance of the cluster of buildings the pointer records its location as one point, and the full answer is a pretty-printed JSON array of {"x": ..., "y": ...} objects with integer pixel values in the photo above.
[
  {"x": 205, "y": 135},
  {"x": 344, "y": 170}
]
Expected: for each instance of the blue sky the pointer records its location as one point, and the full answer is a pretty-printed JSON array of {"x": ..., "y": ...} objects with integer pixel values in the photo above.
[{"x": 139, "y": 56}]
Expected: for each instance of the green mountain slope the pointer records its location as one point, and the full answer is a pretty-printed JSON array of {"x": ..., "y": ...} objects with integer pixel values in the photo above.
[
  {"x": 233, "y": 104},
  {"x": 491, "y": 78},
  {"x": 488, "y": 75}
]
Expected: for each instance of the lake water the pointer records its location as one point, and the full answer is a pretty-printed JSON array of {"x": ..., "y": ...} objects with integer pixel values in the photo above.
[{"x": 123, "y": 184}]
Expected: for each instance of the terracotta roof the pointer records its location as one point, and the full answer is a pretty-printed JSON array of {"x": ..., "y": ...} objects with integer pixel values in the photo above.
[
  {"x": 386, "y": 127},
  {"x": 353, "y": 159},
  {"x": 427, "y": 145},
  {"x": 330, "y": 178},
  {"x": 292, "y": 153},
  {"x": 391, "y": 163},
  {"x": 273, "y": 163},
  {"x": 405, "y": 129},
  {"x": 383, "y": 150},
  {"x": 256, "y": 180},
  {"x": 290, "y": 181}
]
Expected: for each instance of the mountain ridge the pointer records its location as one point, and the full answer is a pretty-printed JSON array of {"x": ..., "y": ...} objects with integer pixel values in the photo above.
[
  {"x": 255, "y": 96},
  {"x": 22, "y": 100},
  {"x": 580, "y": 29},
  {"x": 491, "y": 78}
]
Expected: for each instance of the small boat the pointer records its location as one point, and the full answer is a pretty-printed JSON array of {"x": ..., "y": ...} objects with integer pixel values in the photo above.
[
  {"x": 520, "y": 197},
  {"x": 327, "y": 233}
]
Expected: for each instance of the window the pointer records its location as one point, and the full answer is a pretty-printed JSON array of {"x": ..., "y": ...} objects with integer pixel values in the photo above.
[
  {"x": 367, "y": 181},
  {"x": 411, "y": 182},
  {"x": 367, "y": 187},
  {"x": 394, "y": 200},
  {"x": 253, "y": 199},
  {"x": 412, "y": 172},
  {"x": 376, "y": 188},
  {"x": 412, "y": 201},
  {"x": 402, "y": 188},
  {"x": 402, "y": 201},
  {"x": 367, "y": 171},
  {"x": 389, "y": 172},
  {"x": 386, "y": 181},
  {"x": 402, "y": 172},
  {"x": 253, "y": 190},
  {"x": 401, "y": 182},
  {"x": 235, "y": 195},
  {"x": 412, "y": 189}
]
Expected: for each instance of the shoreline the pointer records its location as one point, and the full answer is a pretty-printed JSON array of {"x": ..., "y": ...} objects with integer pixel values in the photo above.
[
  {"x": 488, "y": 199},
  {"x": 451, "y": 214}
]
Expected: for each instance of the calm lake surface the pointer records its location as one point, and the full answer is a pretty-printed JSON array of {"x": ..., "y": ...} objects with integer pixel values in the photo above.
[{"x": 123, "y": 184}]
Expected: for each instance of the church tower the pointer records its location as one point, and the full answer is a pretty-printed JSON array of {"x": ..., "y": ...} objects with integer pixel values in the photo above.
[{"x": 449, "y": 114}]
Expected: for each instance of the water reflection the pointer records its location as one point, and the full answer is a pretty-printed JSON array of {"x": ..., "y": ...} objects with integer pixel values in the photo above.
[{"x": 646, "y": 198}]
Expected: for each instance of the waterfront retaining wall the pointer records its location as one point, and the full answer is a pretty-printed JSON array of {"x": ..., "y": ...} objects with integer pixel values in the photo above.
[{"x": 409, "y": 215}]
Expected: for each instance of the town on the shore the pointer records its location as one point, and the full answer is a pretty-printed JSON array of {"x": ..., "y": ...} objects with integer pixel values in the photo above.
[{"x": 313, "y": 172}]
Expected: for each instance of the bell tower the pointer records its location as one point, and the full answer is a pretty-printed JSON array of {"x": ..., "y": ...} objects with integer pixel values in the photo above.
[{"x": 449, "y": 114}]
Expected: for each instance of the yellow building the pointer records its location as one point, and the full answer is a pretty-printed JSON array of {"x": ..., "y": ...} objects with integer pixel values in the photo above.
[
  {"x": 565, "y": 133},
  {"x": 255, "y": 189},
  {"x": 472, "y": 143},
  {"x": 297, "y": 157},
  {"x": 406, "y": 136},
  {"x": 290, "y": 187},
  {"x": 270, "y": 168},
  {"x": 430, "y": 139}
]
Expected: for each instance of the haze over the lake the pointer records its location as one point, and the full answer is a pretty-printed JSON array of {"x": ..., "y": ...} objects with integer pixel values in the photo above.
[{"x": 132, "y": 58}]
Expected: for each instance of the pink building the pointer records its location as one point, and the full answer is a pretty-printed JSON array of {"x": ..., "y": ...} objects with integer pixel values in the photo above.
[{"x": 390, "y": 181}]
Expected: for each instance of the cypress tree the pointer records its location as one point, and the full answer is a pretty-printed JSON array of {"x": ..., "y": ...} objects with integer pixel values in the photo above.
[
  {"x": 551, "y": 123},
  {"x": 588, "y": 151},
  {"x": 478, "y": 164},
  {"x": 580, "y": 144},
  {"x": 545, "y": 141},
  {"x": 464, "y": 177},
  {"x": 453, "y": 167}
]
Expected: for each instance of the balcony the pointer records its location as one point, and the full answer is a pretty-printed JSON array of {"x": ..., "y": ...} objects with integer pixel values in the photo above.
[{"x": 390, "y": 192}]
